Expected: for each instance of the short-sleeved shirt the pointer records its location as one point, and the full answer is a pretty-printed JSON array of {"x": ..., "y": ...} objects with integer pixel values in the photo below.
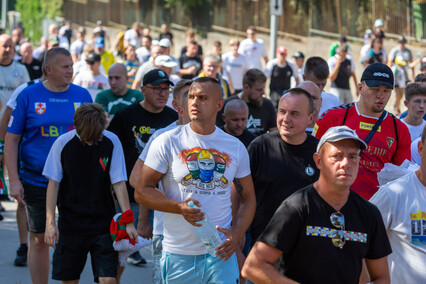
[
  {"x": 85, "y": 174},
  {"x": 200, "y": 167},
  {"x": 402, "y": 203},
  {"x": 415, "y": 130},
  {"x": 302, "y": 231},
  {"x": 131, "y": 66},
  {"x": 34, "y": 68},
  {"x": 112, "y": 103},
  {"x": 107, "y": 59},
  {"x": 280, "y": 75},
  {"x": 278, "y": 169},
  {"x": 328, "y": 101},
  {"x": 347, "y": 67},
  {"x": 41, "y": 116},
  {"x": 390, "y": 144},
  {"x": 186, "y": 62},
  {"x": 254, "y": 51},
  {"x": 11, "y": 76},
  {"x": 94, "y": 84},
  {"x": 234, "y": 67}
]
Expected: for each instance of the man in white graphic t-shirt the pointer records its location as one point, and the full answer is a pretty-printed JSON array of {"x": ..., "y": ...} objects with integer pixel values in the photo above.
[{"x": 199, "y": 166}]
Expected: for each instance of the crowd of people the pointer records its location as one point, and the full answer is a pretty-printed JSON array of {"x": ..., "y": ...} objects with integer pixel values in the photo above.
[{"x": 289, "y": 179}]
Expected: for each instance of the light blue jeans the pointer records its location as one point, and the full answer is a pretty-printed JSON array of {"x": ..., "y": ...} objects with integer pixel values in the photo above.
[{"x": 157, "y": 250}]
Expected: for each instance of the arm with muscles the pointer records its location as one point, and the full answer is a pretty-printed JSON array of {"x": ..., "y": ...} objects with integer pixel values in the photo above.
[
  {"x": 144, "y": 226},
  {"x": 243, "y": 219},
  {"x": 51, "y": 235},
  {"x": 120, "y": 190},
  {"x": 11, "y": 158},
  {"x": 259, "y": 265},
  {"x": 147, "y": 193},
  {"x": 378, "y": 270}
]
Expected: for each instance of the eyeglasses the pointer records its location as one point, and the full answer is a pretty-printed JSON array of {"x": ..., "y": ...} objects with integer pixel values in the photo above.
[
  {"x": 158, "y": 90},
  {"x": 338, "y": 237}
]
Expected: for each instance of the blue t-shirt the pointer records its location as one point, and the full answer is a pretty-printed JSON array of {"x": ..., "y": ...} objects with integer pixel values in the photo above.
[{"x": 40, "y": 117}]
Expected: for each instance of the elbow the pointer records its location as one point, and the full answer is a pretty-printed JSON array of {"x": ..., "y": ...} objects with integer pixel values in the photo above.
[{"x": 139, "y": 195}]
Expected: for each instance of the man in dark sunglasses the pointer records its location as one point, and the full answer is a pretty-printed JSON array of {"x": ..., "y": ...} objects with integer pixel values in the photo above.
[{"x": 323, "y": 232}]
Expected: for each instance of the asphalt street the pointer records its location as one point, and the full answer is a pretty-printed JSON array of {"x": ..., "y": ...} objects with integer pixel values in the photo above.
[{"x": 10, "y": 274}]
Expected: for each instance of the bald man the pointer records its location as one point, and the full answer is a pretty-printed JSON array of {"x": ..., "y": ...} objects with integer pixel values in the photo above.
[
  {"x": 200, "y": 166},
  {"x": 119, "y": 96},
  {"x": 33, "y": 65},
  {"x": 235, "y": 116},
  {"x": 315, "y": 92}
]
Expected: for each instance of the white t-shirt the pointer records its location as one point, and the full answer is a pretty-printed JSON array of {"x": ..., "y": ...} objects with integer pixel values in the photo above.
[
  {"x": 158, "y": 215},
  {"x": 77, "y": 47},
  {"x": 201, "y": 167},
  {"x": 253, "y": 51},
  {"x": 132, "y": 38},
  {"x": 11, "y": 77},
  {"x": 94, "y": 84},
  {"x": 415, "y": 157},
  {"x": 415, "y": 130},
  {"x": 143, "y": 54},
  {"x": 403, "y": 207},
  {"x": 328, "y": 101},
  {"x": 234, "y": 67}
]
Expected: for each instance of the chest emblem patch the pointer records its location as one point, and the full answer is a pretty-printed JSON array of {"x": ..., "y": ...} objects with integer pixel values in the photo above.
[
  {"x": 40, "y": 108},
  {"x": 389, "y": 140},
  {"x": 206, "y": 168}
]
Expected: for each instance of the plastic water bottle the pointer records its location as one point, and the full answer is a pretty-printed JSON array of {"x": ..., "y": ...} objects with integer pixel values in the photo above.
[{"x": 208, "y": 233}]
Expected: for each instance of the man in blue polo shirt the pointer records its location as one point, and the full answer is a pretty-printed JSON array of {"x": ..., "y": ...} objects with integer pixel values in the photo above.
[{"x": 43, "y": 112}]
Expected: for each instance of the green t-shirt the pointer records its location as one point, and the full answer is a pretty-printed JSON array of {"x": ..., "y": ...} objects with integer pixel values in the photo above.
[{"x": 112, "y": 103}]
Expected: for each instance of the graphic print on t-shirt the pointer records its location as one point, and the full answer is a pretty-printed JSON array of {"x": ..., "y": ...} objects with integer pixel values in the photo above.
[
  {"x": 40, "y": 108},
  {"x": 418, "y": 228},
  {"x": 206, "y": 168}
]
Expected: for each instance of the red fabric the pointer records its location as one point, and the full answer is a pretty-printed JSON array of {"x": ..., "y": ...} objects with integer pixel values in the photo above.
[
  {"x": 113, "y": 228},
  {"x": 122, "y": 235},
  {"x": 126, "y": 218}
]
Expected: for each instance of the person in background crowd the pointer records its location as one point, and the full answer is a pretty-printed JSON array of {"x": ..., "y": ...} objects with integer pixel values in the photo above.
[
  {"x": 190, "y": 37},
  {"x": 144, "y": 52},
  {"x": 132, "y": 64},
  {"x": 33, "y": 65},
  {"x": 299, "y": 61},
  {"x": 211, "y": 66},
  {"x": 165, "y": 33},
  {"x": 147, "y": 66},
  {"x": 133, "y": 36},
  {"x": 77, "y": 46},
  {"x": 234, "y": 66},
  {"x": 107, "y": 58},
  {"x": 254, "y": 49},
  {"x": 190, "y": 62},
  {"x": 415, "y": 101}
]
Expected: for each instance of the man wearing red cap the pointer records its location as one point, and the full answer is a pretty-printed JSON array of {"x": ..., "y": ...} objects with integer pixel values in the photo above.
[{"x": 280, "y": 71}]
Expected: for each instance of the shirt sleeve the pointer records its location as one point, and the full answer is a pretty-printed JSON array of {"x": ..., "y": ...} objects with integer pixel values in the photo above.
[
  {"x": 117, "y": 171},
  {"x": 157, "y": 157},
  {"x": 379, "y": 245},
  {"x": 415, "y": 157},
  {"x": 323, "y": 124},
  {"x": 331, "y": 62},
  {"x": 384, "y": 203},
  {"x": 19, "y": 115},
  {"x": 53, "y": 166},
  {"x": 268, "y": 68},
  {"x": 101, "y": 99},
  {"x": 244, "y": 162}
]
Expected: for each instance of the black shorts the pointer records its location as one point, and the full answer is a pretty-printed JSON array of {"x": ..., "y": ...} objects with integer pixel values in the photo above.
[
  {"x": 70, "y": 257},
  {"x": 35, "y": 201}
]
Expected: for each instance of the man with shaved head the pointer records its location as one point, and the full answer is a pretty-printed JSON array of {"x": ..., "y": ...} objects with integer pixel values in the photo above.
[
  {"x": 200, "y": 166},
  {"x": 119, "y": 95},
  {"x": 12, "y": 75},
  {"x": 33, "y": 65},
  {"x": 281, "y": 161},
  {"x": 315, "y": 92},
  {"x": 235, "y": 116},
  {"x": 43, "y": 112}
]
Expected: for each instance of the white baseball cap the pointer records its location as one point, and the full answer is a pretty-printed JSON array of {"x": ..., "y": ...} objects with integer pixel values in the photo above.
[
  {"x": 165, "y": 60},
  {"x": 338, "y": 133},
  {"x": 165, "y": 42}
]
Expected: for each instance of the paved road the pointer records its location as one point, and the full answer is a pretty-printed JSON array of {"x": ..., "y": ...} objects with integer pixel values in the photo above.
[{"x": 9, "y": 274}]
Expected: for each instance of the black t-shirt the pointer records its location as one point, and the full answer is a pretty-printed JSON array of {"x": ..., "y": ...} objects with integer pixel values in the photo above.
[
  {"x": 246, "y": 138},
  {"x": 260, "y": 120},
  {"x": 280, "y": 78},
  {"x": 301, "y": 229},
  {"x": 167, "y": 35},
  {"x": 278, "y": 169},
  {"x": 134, "y": 125},
  {"x": 85, "y": 201},
  {"x": 34, "y": 68},
  {"x": 342, "y": 79},
  {"x": 186, "y": 62},
  {"x": 199, "y": 52}
]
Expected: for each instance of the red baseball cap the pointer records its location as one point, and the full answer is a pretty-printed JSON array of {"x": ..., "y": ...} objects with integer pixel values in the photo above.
[{"x": 281, "y": 49}]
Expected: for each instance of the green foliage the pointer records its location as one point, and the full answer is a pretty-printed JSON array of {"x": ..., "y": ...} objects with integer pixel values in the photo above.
[
  {"x": 187, "y": 4},
  {"x": 34, "y": 11}
]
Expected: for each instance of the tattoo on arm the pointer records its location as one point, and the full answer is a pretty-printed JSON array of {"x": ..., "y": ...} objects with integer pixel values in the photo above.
[{"x": 238, "y": 187}]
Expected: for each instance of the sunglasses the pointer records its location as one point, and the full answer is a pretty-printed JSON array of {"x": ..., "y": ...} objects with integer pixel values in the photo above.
[{"x": 338, "y": 237}]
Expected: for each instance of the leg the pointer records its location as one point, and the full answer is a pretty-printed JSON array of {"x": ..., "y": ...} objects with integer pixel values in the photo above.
[
  {"x": 157, "y": 250},
  {"x": 38, "y": 258},
  {"x": 120, "y": 271},
  {"x": 104, "y": 259},
  {"x": 70, "y": 282},
  {"x": 107, "y": 280},
  {"x": 21, "y": 220}
]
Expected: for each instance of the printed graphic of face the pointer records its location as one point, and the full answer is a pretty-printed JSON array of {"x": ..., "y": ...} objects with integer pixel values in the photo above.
[{"x": 206, "y": 165}]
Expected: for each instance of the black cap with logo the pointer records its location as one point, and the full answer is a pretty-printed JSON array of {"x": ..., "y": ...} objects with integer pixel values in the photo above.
[
  {"x": 156, "y": 77},
  {"x": 378, "y": 74}
]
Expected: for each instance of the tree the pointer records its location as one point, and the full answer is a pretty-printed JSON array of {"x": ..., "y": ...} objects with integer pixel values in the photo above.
[{"x": 34, "y": 11}]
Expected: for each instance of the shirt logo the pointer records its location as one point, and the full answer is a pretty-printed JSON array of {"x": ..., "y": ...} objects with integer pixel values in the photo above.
[
  {"x": 103, "y": 162},
  {"x": 418, "y": 228},
  {"x": 40, "y": 108},
  {"x": 76, "y": 105},
  {"x": 389, "y": 140},
  {"x": 253, "y": 122},
  {"x": 309, "y": 171},
  {"x": 368, "y": 126},
  {"x": 206, "y": 168}
]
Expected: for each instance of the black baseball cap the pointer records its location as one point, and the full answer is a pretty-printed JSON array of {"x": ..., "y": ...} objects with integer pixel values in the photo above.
[
  {"x": 298, "y": 55},
  {"x": 402, "y": 39},
  {"x": 156, "y": 77},
  {"x": 378, "y": 74}
]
